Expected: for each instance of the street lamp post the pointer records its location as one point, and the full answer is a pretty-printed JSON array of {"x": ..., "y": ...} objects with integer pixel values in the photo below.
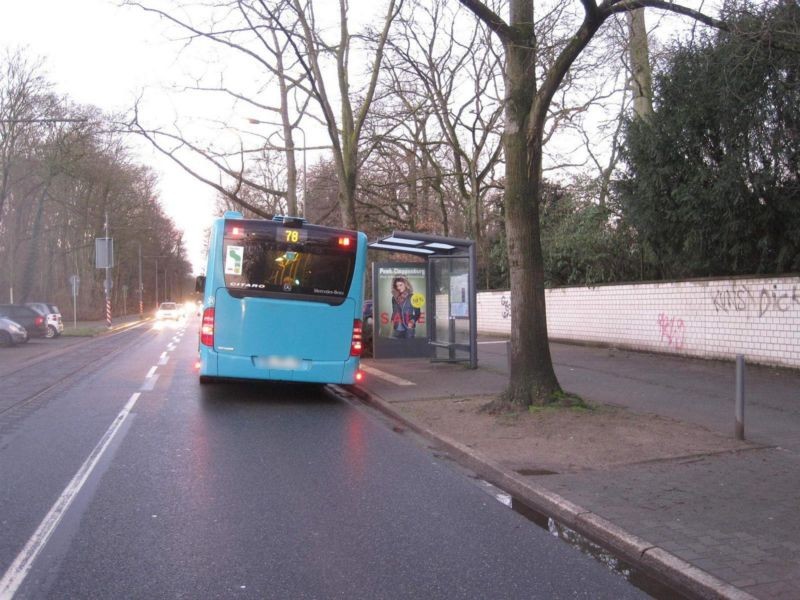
[
  {"x": 156, "y": 277},
  {"x": 293, "y": 148},
  {"x": 305, "y": 180},
  {"x": 141, "y": 287}
]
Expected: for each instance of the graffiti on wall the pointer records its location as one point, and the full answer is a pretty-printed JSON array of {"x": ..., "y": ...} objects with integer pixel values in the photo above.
[
  {"x": 673, "y": 331},
  {"x": 742, "y": 299},
  {"x": 505, "y": 302}
]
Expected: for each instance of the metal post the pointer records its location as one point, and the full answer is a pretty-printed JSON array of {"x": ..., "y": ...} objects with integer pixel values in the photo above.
[
  {"x": 305, "y": 179},
  {"x": 74, "y": 305},
  {"x": 739, "y": 397},
  {"x": 156, "y": 282},
  {"x": 141, "y": 300},
  {"x": 108, "y": 279},
  {"x": 473, "y": 306}
]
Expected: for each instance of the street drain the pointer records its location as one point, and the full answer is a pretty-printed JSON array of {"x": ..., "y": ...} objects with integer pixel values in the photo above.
[
  {"x": 532, "y": 472},
  {"x": 634, "y": 576}
]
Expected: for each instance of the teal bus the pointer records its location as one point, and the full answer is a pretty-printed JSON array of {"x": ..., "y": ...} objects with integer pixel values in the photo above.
[{"x": 282, "y": 300}]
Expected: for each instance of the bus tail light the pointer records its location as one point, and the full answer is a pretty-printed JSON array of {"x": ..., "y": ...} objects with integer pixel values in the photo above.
[
  {"x": 207, "y": 328},
  {"x": 356, "y": 345},
  {"x": 359, "y": 376}
]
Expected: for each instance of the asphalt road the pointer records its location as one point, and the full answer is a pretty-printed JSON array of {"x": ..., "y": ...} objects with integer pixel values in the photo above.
[{"x": 242, "y": 490}]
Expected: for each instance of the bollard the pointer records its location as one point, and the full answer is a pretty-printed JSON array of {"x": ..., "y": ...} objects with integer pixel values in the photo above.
[{"x": 739, "y": 397}]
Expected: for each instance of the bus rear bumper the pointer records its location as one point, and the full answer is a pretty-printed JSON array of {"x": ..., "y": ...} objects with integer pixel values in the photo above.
[{"x": 215, "y": 364}]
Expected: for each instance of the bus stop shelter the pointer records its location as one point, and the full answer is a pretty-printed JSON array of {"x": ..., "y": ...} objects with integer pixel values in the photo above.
[{"x": 451, "y": 292}]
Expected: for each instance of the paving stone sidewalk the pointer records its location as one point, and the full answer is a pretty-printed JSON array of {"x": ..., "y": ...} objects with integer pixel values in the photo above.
[{"x": 733, "y": 515}]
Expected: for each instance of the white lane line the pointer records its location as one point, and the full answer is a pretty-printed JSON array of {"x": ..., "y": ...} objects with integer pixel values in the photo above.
[
  {"x": 151, "y": 372},
  {"x": 163, "y": 360},
  {"x": 170, "y": 347},
  {"x": 21, "y": 566},
  {"x": 148, "y": 386},
  {"x": 386, "y": 376}
]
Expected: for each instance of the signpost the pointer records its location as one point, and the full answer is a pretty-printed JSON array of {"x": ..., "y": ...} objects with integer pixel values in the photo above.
[
  {"x": 75, "y": 283},
  {"x": 104, "y": 259}
]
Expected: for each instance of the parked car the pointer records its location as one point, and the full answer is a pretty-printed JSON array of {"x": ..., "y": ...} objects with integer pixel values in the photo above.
[
  {"x": 32, "y": 321},
  {"x": 168, "y": 310},
  {"x": 11, "y": 333},
  {"x": 55, "y": 326}
]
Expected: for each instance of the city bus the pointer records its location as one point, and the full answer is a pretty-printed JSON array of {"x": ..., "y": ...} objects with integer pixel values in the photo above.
[{"x": 282, "y": 300}]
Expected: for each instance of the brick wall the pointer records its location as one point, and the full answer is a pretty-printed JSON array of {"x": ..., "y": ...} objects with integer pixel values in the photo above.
[{"x": 720, "y": 318}]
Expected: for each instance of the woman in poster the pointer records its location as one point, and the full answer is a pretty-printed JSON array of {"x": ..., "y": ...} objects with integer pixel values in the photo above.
[{"x": 404, "y": 315}]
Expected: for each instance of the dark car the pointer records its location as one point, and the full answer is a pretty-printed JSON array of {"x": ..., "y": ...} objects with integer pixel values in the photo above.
[
  {"x": 11, "y": 333},
  {"x": 35, "y": 323},
  {"x": 55, "y": 326}
]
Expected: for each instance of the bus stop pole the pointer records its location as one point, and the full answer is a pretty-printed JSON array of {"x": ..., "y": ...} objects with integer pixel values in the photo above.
[{"x": 473, "y": 308}]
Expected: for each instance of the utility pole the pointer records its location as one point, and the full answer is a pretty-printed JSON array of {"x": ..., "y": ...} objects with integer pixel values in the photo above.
[
  {"x": 141, "y": 301},
  {"x": 305, "y": 176},
  {"x": 156, "y": 282}
]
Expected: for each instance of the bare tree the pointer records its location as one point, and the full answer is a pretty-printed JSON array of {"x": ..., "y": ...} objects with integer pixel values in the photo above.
[
  {"x": 529, "y": 94},
  {"x": 345, "y": 132},
  {"x": 445, "y": 67},
  {"x": 21, "y": 87},
  {"x": 261, "y": 34}
]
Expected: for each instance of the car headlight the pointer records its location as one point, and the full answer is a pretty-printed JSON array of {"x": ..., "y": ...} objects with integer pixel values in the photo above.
[{"x": 16, "y": 328}]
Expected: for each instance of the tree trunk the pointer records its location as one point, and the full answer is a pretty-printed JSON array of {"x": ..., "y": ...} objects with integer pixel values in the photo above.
[
  {"x": 641, "y": 73},
  {"x": 532, "y": 379},
  {"x": 34, "y": 249},
  {"x": 347, "y": 186}
]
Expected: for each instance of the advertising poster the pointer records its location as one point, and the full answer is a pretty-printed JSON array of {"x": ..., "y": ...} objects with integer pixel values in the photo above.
[{"x": 401, "y": 327}]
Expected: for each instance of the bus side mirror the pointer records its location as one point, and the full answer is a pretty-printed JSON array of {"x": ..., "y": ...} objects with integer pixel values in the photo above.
[{"x": 200, "y": 284}]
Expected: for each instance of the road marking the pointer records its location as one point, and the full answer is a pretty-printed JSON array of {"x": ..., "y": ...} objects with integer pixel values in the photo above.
[
  {"x": 151, "y": 372},
  {"x": 148, "y": 386},
  {"x": 21, "y": 566},
  {"x": 170, "y": 347},
  {"x": 163, "y": 360},
  {"x": 388, "y": 377}
]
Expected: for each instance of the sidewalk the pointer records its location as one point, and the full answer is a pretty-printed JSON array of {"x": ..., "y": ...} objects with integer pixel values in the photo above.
[{"x": 656, "y": 476}]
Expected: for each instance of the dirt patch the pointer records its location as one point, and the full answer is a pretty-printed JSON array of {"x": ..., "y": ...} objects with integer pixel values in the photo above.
[{"x": 563, "y": 440}]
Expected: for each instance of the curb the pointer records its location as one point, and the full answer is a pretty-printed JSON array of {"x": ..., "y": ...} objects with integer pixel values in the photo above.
[{"x": 648, "y": 557}]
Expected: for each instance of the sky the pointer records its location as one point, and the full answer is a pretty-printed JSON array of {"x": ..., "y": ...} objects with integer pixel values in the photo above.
[{"x": 101, "y": 54}]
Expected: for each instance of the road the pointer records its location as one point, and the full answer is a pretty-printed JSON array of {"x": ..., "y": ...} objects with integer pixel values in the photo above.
[{"x": 123, "y": 477}]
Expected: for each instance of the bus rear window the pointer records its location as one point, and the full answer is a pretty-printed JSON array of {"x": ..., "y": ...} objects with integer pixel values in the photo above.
[{"x": 267, "y": 259}]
